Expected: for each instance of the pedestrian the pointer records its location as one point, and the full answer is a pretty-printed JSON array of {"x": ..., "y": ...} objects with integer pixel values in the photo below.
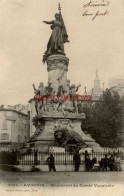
[
  {"x": 87, "y": 163},
  {"x": 92, "y": 162},
  {"x": 76, "y": 159},
  {"x": 117, "y": 163},
  {"x": 111, "y": 163},
  {"x": 104, "y": 163},
  {"x": 51, "y": 163}
]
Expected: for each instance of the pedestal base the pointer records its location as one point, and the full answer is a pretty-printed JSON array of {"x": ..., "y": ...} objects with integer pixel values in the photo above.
[{"x": 44, "y": 136}]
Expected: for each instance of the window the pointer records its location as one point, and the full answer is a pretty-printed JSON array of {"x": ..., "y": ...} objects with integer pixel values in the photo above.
[
  {"x": 4, "y": 125},
  {"x": 4, "y": 136}
]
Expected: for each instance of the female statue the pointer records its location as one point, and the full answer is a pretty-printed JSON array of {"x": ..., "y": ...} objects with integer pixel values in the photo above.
[{"x": 58, "y": 37}]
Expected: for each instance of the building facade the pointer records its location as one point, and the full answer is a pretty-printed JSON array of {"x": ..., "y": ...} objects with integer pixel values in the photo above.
[
  {"x": 14, "y": 129},
  {"x": 117, "y": 84}
]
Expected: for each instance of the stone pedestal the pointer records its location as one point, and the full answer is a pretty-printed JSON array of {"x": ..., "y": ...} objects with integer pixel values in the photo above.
[
  {"x": 63, "y": 120},
  {"x": 57, "y": 66},
  {"x": 44, "y": 138}
]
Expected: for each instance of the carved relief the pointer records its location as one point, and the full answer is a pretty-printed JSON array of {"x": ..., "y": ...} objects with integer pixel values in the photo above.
[
  {"x": 59, "y": 62},
  {"x": 39, "y": 125},
  {"x": 62, "y": 124}
]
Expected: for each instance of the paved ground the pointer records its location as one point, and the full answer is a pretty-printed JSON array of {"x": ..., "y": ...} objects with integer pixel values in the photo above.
[
  {"x": 60, "y": 177},
  {"x": 61, "y": 183}
]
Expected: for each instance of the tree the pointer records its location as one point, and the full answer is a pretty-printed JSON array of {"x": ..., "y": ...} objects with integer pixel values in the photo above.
[{"x": 103, "y": 119}]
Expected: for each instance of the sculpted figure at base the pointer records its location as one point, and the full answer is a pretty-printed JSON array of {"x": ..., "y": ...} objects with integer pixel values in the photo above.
[
  {"x": 58, "y": 37},
  {"x": 37, "y": 94},
  {"x": 40, "y": 93},
  {"x": 66, "y": 92},
  {"x": 65, "y": 136},
  {"x": 39, "y": 125},
  {"x": 60, "y": 102},
  {"x": 66, "y": 88},
  {"x": 73, "y": 90}
]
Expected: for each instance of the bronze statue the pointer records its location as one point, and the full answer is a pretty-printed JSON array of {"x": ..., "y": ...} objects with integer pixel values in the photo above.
[{"x": 58, "y": 37}]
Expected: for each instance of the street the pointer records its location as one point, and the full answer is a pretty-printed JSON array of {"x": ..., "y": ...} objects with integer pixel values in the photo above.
[{"x": 57, "y": 178}]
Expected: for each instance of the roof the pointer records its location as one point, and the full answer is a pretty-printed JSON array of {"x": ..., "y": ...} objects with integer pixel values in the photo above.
[{"x": 12, "y": 110}]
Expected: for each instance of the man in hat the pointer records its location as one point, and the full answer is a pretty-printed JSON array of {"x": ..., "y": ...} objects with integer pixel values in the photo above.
[
  {"x": 77, "y": 160},
  {"x": 51, "y": 163}
]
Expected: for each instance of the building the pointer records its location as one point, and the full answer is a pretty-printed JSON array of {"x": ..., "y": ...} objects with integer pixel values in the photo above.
[
  {"x": 117, "y": 84},
  {"x": 20, "y": 108},
  {"x": 14, "y": 128},
  {"x": 96, "y": 91}
]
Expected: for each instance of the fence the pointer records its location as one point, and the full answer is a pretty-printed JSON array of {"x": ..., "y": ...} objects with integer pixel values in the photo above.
[
  {"x": 40, "y": 158},
  {"x": 61, "y": 158}
]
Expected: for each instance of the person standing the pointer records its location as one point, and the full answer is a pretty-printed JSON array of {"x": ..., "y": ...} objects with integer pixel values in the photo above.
[
  {"x": 117, "y": 163},
  {"x": 87, "y": 161},
  {"x": 104, "y": 163},
  {"x": 111, "y": 163},
  {"x": 76, "y": 159},
  {"x": 51, "y": 163}
]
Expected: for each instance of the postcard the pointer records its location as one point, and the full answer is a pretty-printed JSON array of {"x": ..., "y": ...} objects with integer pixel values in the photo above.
[{"x": 62, "y": 97}]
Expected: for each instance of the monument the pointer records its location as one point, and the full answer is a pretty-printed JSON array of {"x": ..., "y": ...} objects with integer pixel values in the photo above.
[{"x": 57, "y": 121}]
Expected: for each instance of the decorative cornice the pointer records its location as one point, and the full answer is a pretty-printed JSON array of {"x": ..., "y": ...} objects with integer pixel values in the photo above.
[{"x": 56, "y": 62}]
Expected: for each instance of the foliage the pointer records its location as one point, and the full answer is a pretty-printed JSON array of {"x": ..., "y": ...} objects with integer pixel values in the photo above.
[{"x": 104, "y": 119}]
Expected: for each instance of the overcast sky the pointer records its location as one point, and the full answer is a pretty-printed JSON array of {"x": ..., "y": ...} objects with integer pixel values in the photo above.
[{"x": 23, "y": 39}]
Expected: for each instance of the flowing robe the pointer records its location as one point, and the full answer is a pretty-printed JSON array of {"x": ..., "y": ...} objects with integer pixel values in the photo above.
[
  {"x": 56, "y": 43},
  {"x": 57, "y": 39}
]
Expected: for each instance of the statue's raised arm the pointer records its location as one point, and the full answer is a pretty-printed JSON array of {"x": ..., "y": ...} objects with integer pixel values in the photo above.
[
  {"x": 58, "y": 37},
  {"x": 48, "y": 22}
]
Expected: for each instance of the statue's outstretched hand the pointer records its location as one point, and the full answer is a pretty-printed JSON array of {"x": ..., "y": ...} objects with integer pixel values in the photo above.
[
  {"x": 44, "y": 21},
  {"x": 33, "y": 85}
]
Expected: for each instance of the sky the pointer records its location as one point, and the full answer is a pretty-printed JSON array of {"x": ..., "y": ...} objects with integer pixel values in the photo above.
[{"x": 97, "y": 44}]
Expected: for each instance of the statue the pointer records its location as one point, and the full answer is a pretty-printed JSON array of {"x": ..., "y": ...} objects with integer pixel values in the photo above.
[
  {"x": 49, "y": 89},
  {"x": 73, "y": 90},
  {"x": 65, "y": 136},
  {"x": 40, "y": 93},
  {"x": 59, "y": 101},
  {"x": 58, "y": 37},
  {"x": 67, "y": 103},
  {"x": 37, "y": 95},
  {"x": 49, "y": 92},
  {"x": 39, "y": 125},
  {"x": 66, "y": 88}
]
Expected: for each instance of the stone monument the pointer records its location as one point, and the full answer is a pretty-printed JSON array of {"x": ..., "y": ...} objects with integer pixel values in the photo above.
[{"x": 57, "y": 121}]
